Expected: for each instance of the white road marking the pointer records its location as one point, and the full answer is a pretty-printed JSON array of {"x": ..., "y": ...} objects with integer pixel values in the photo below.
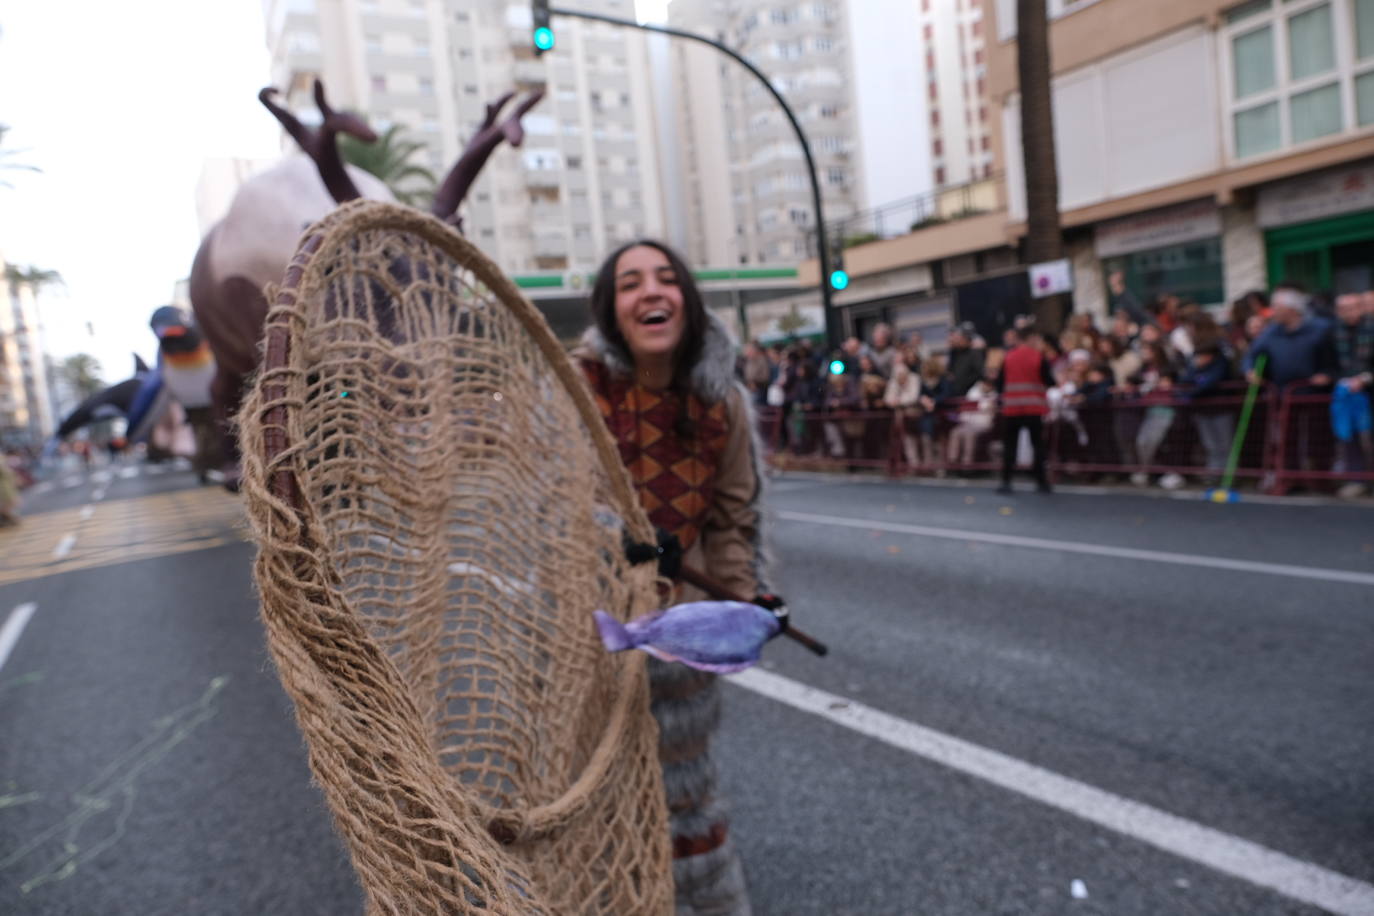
[
  {"x": 98, "y": 495},
  {"x": 64, "y": 546},
  {"x": 87, "y": 512},
  {"x": 102, "y": 476},
  {"x": 40, "y": 488},
  {"x": 69, "y": 482},
  {"x": 128, "y": 472},
  {"x": 1102, "y": 550},
  {"x": 14, "y": 625},
  {"x": 1178, "y": 836}
]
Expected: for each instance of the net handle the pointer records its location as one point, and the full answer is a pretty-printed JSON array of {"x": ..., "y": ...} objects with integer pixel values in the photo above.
[{"x": 508, "y": 826}]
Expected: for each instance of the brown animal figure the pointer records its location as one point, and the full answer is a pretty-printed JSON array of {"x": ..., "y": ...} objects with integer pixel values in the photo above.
[{"x": 253, "y": 244}]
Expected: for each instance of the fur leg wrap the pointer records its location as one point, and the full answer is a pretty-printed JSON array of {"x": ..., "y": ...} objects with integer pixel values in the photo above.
[{"x": 706, "y": 869}]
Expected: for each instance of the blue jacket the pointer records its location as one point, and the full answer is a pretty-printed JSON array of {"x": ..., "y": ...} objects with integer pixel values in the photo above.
[
  {"x": 1202, "y": 381},
  {"x": 1294, "y": 355}
]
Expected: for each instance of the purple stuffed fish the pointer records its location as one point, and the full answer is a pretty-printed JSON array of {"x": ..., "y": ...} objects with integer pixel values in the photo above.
[{"x": 719, "y": 636}]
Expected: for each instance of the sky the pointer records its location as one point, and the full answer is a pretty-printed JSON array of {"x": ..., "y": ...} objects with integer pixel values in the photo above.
[{"x": 120, "y": 103}]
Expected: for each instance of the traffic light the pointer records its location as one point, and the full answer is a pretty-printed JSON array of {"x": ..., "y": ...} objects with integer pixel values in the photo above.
[
  {"x": 839, "y": 277},
  {"x": 543, "y": 27},
  {"x": 837, "y": 367}
]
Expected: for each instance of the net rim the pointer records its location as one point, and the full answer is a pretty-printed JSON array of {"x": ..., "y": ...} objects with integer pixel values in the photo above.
[{"x": 304, "y": 276}]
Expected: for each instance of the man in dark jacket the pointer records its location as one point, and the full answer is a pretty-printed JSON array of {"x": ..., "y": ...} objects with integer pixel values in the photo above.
[
  {"x": 966, "y": 358},
  {"x": 1301, "y": 359},
  {"x": 1298, "y": 346}
]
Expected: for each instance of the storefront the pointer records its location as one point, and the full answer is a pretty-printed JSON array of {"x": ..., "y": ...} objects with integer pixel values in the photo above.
[
  {"x": 1174, "y": 250},
  {"x": 1319, "y": 229}
]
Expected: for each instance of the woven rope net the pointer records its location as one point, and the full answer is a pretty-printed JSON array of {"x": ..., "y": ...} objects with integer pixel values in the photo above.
[{"x": 438, "y": 510}]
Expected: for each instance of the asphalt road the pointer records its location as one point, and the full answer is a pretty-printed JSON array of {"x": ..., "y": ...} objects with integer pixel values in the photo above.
[{"x": 149, "y": 763}]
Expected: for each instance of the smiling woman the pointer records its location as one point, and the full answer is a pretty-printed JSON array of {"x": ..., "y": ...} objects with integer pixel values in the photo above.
[{"x": 662, "y": 372}]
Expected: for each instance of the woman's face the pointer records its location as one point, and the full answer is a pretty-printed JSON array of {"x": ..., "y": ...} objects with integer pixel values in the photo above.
[{"x": 648, "y": 303}]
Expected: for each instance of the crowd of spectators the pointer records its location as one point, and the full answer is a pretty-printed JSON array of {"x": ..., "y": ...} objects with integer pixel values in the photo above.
[{"x": 1155, "y": 385}]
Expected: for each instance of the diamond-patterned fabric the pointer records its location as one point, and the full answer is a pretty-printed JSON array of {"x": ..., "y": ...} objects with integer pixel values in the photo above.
[{"x": 673, "y": 477}]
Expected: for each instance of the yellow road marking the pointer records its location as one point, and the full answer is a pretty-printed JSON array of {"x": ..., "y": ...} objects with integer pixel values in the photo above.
[{"x": 120, "y": 532}]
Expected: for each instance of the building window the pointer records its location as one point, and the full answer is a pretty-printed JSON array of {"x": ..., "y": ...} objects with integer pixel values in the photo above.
[
  {"x": 1290, "y": 66},
  {"x": 835, "y": 177},
  {"x": 940, "y": 175},
  {"x": 378, "y": 83},
  {"x": 938, "y": 147},
  {"x": 935, "y": 117},
  {"x": 426, "y": 86},
  {"x": 373, "y": 44}
]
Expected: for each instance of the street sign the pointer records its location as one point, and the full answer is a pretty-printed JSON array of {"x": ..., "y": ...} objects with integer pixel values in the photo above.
[{"x": 1051, "y": 278}]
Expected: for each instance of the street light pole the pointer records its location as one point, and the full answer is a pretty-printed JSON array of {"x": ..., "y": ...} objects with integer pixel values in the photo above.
[{"x": 832, "y": 322}]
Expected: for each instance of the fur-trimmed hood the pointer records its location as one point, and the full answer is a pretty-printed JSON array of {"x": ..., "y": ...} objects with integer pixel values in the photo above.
[{"x": 712, "y": 377}]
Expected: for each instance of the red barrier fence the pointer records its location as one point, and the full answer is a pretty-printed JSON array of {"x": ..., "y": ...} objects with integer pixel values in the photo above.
[{"x": 1288, "y": 441}]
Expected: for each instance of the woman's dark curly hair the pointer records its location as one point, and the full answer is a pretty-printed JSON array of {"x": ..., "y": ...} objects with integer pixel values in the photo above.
[{"x": 694, "y": 312}]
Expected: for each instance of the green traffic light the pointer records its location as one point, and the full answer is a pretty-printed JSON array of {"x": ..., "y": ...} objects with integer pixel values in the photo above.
[
  {"x": 837, "y": 367},
  {"x": 543, "y": 38},
  {"x": 838, "y": 279}
]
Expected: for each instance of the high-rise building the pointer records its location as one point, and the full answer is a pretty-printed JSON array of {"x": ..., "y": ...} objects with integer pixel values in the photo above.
[
  {"x": 749, "y": 197},
  {"x": 587, "y": 175},
  {"x": 26, "y": 410},
  {"x": 954, "y": 51}
]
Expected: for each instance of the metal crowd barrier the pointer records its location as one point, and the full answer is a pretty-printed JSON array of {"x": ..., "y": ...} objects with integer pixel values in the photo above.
[{"x": 1288, "y": 441}]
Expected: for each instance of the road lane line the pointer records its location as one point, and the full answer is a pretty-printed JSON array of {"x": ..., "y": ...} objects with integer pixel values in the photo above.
[
  {"x": 64, "y": 546},
  {"x": 1175, "y": 835},
  {"x": 98, "y": 495},
  {"x": 86, "y": 512},
  {"x": 129, "y": 472},
  {"x": 1325, "y": 574},
  {"x": 70, "y": 482},
  {"x": 14, "y": 625}
]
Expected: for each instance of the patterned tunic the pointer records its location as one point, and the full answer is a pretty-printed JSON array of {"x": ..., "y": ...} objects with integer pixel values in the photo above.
[{"x": 676, "y": 480}]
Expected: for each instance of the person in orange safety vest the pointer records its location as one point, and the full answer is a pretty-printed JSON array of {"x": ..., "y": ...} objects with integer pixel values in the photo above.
[{"x": 1022, "y": 383}]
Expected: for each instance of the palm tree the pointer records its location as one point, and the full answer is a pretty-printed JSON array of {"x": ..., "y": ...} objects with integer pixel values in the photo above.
[
  {"x": 1044, "y": 237},
  {"x": 388, "y": 159},
  {"x": 5, "y": 157},
  {"x": 82, "y": 372},
  {"x": 35, "y": 277}
]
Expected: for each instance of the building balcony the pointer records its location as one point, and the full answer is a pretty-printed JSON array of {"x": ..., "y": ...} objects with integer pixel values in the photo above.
[
  {"x": 942, "y": 205},
  {"x": 545, "y": 179},
  {"x": 550, "y": 245},
  {"x": 530, "y": 74}
]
